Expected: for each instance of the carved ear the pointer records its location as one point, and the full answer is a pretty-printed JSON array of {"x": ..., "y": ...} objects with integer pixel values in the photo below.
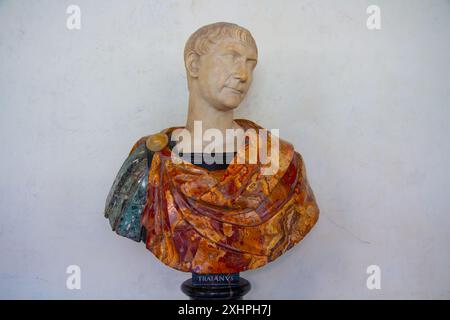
[{"x": 192, "y": 64}]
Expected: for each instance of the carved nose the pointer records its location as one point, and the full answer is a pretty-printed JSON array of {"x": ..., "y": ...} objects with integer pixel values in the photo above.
[
  {"x": 241, "y": 72},
  {"x": 242, "y": 75}
]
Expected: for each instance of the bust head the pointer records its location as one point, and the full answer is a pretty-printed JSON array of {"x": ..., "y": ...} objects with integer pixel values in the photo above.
[{"x": 219, "y": 60}]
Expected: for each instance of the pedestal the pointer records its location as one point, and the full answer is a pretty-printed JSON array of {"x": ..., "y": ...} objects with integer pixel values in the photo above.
[{"x": 216, "y": 286}]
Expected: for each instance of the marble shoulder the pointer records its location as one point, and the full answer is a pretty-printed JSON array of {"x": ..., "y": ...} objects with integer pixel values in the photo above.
[{"x": 127, "y": 197}]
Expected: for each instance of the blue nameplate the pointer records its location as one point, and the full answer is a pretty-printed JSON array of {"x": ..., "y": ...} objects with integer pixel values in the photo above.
[{"x": 215, "y": 279}]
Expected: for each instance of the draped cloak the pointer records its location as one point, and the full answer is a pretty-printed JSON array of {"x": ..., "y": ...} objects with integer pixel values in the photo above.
[{"x": 221, "y": 221}]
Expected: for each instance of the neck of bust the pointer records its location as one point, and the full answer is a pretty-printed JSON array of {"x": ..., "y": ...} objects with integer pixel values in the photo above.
[{"x": 211, "y": 118}]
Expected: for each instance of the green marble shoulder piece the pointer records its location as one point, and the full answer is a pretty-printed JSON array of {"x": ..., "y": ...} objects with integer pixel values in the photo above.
[{"x": 127, "y": 197}]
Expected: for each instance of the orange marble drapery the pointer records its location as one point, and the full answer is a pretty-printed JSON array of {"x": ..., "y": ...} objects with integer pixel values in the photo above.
[{"x": 228, "y": 220}]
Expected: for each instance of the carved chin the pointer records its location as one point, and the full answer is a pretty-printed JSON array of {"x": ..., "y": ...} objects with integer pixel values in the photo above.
[{"x": 232, "y": 100}]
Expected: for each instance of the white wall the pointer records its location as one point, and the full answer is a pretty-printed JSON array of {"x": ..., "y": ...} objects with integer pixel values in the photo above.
[{"x": 368, "y": 110}]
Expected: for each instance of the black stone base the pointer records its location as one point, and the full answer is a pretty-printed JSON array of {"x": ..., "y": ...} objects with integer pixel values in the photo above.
[{"x": 234, "y": 290}]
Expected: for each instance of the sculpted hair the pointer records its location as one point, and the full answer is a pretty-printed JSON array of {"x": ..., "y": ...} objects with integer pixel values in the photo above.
[{"x": 201, "y": 40}]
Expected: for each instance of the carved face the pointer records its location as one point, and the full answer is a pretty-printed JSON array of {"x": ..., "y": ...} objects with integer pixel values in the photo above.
[{"x": 225, "y": 73}]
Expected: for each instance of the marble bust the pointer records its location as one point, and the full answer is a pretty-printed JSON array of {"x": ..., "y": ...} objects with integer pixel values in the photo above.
[{"x": 221, "y": 217}]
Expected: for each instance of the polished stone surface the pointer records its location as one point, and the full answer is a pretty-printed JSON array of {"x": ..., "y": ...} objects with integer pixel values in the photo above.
[
  {"x": 216, "y": 289},
  {"x": 222, "y": 221}
]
